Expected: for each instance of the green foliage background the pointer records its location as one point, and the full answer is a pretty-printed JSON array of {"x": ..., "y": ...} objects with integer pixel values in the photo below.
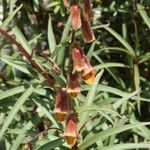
[{"x": 118, "y": 103}]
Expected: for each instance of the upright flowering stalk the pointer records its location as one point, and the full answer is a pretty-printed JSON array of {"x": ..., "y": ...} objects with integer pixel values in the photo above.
[
  {"x": 87, "y": 32},
  {"x": 73, "y": 86},
  {"x": 75, "y": 15},
  {"x": 62, "y": 105},
  {"x": 71, "y": 133},
  {"x": 87, "y": 9},
  {"x": 79, "y": 68}
]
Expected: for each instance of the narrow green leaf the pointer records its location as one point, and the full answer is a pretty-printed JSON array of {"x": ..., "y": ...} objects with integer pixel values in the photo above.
[
  {"x": 90, "y": 96},
  {"x": 22, "y": 40},
  {"x": 126, "y": 146},
  {"x": 9, "y": 18},
  {"x": 54, "y": 3},
  {"x": 137, "y": 83},
  {"x": 14, "y": 110},
  {"x": 127, "y": 97},
  {"x": 51, "y": 37},
  {"x": 91, "y": 50},
  {"x": 60, "y": 56},
  {"x": 11, "y": 6},
  {"x": 121, "y": 40},
  {"x": 46, "y": 112},
  {"x": 112, "y": 72},
  {"x": 110, "y": 64},
  {"x": 52, "y": 144},
  {"x": 58, "y": 78},
  {"x": 11, "y": 92},
  {"x": 16, "y": 66},
  {"x": 92, "y": 138},
  {"x": 112, "y": 49},
  {"x": 21, "y": 137},
  {"x": 144, "y": 14},
  {"x": 56, "y": 51},
  {"x": 66, "y": 30}
]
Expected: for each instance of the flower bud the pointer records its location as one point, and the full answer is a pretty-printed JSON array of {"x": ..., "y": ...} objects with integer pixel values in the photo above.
[
  {"x": 87, "y": 32},
  {"x": 75, "y": 16},
  {"x": 87, "y": 9}
]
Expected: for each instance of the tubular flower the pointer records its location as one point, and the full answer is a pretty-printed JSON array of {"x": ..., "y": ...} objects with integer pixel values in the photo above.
[
  {"x": 70, "y": 132},
  {"x": 66, "y": 3},
  {"x": 73, "y": 86},
  {"x": 78, "y": 58},
  {"x": 89, "y": 73},
  {"x": 62, "y": 106},
  {"x": 87, "y": 9},
  {"x": 87, "y": 32},
  {"x": 75, "y": 16}
]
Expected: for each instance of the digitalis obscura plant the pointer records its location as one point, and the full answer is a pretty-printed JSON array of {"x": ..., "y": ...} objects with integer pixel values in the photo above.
[{"x": 79, "y": 69}]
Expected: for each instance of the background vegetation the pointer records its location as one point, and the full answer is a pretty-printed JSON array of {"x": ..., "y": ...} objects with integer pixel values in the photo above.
[{"x": 113, "y": 113}]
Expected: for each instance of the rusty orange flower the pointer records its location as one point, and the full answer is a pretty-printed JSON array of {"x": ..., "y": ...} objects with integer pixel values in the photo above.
[
  {"x": 87, "y": 9},
  {"x": 73, "y": 86},
  {"x": 62, "y": 105},
  {"x": 71, "y": 133},
  {"x": 75, "y": 16},
  {"x": 87, "y": 32},
  {"x": 88, "y": 74},
  {"x": 66, "y": 3},
  {"x": 78, "y": 57}
]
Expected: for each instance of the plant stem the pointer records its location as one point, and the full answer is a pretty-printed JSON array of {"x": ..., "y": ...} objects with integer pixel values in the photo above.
[{"x": 29, "y": 57}]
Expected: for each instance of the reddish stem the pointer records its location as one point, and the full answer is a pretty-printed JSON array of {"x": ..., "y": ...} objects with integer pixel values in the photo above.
[{"x": 29, "y": 57}]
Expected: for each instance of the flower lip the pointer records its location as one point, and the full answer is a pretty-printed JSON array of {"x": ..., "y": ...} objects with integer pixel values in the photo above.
[
  {"x": 60, "y": 116},
  {"x": 89, "y": 77},
  {"x": 89, "y": 73}
]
